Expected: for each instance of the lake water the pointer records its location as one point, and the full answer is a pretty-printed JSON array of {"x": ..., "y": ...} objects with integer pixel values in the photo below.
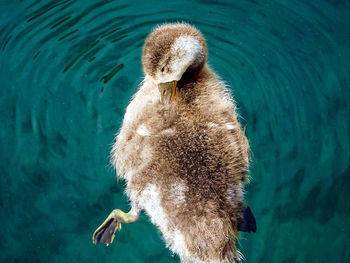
[{"x": 68, "y": 69}]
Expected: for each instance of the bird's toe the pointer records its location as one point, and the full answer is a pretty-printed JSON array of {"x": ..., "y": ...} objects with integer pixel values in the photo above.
[{"x": 106, "y": 232}]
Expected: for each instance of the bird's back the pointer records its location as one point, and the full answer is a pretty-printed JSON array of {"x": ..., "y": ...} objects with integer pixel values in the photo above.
[{"x": 192, "y": 187}]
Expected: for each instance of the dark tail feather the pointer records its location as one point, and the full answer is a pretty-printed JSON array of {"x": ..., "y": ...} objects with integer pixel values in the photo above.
[{"x": 248, "y": 223}]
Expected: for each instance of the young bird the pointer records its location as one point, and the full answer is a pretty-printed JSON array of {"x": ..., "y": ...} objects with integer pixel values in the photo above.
[{"x": 182, "y": 152}]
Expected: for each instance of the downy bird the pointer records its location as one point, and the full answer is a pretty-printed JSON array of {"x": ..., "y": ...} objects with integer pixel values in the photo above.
[{"x": 182, "y": 152}]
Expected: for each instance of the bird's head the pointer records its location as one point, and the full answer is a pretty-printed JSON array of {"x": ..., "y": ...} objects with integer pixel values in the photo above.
[{"x": 170, "y": 51}]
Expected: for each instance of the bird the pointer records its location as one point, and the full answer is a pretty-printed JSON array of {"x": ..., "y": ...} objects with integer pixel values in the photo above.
[{"x": 182, "y": 152}]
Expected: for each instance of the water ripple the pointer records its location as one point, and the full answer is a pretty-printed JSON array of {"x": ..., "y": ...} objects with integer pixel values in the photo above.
[{"x": 68, "y": 69}]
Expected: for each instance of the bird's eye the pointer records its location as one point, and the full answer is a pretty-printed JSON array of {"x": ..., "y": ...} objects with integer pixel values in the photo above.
[{"x": 163, "y": 69}]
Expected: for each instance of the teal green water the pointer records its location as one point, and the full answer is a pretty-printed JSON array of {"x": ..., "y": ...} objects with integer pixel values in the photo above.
[{"x": 67, "y": 71}]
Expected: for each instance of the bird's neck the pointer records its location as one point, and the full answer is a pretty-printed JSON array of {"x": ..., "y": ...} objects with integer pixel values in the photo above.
[{"x": 193, "y": 83}]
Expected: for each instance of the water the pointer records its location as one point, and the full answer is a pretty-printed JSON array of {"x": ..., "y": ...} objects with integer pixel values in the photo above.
[{"x": 67, "y": 71}]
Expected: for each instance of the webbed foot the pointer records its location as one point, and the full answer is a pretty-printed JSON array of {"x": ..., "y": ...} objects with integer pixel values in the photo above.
[
  {"x": 248, "y": 223},
  {"x": 105, "y": 233}
]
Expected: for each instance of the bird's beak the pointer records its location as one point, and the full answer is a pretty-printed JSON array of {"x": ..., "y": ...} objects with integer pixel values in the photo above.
[{"x": 167, "y": 91}]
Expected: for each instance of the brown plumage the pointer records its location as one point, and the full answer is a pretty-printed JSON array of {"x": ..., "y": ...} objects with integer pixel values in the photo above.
[{"x": 185, "y": 161}]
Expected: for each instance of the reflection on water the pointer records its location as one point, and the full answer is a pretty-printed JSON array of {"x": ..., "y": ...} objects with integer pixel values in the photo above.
[{"x": 67, "y": 71}]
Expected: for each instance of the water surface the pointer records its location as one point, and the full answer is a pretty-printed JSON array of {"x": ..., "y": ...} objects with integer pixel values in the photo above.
[{"x": 69, "y": 68}]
